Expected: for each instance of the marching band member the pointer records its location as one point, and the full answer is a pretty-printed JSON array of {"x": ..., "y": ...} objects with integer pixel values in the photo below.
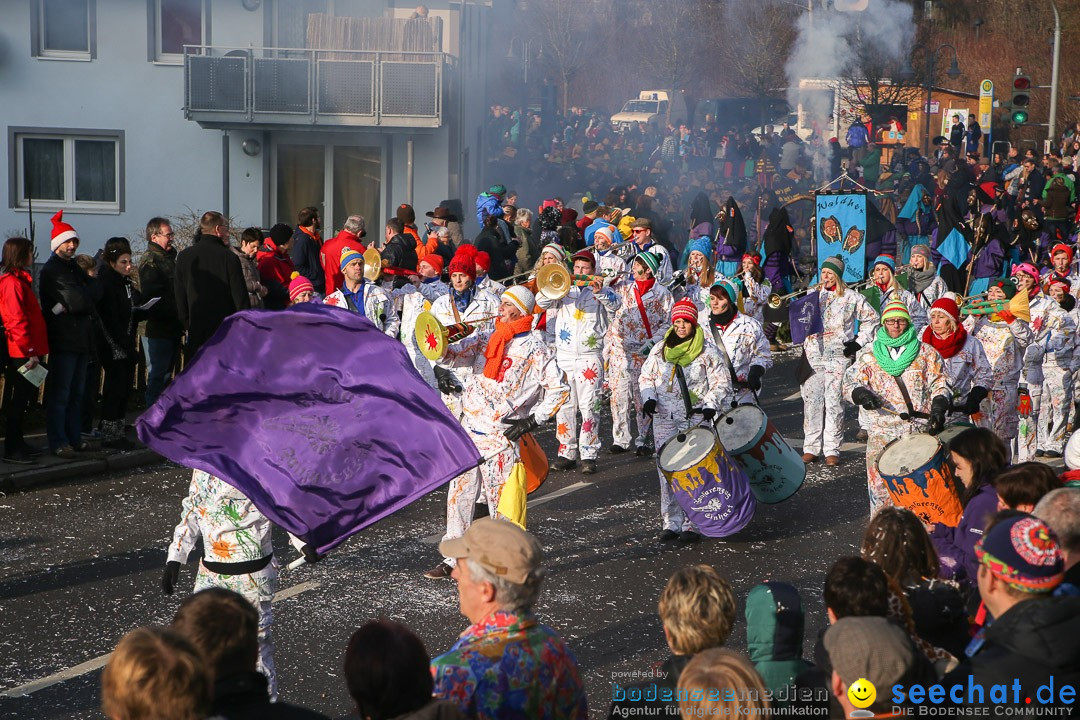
[
  {"x": 638, "y": 310},
  {"x": 362, "y": 296},
  {"x": 483, "y": 281},
  {"x": 643, "y": 238},
  {"x": 415, "y": 299},
  {"x": 755, "y": 288},
  {"x": 514, "y": 387},
  {"x": 829, "y": 354},
  {"x": 580, "y": 323},
  {"x": 700, "y": 274},
  {"x": 923, "y": 281},
  {"x": 682, "y": 355},
  {"x": 966, "y": 366},
  {"x": 464, "y": 303},
  {"x": 1057, "y": 387},
  {"x": 739, "y": 339},
  {"x": 1004, "y": 338},
  {"x": 989, "y": 249},
  {"x": 898, "y": 374},
  {"x": 1061, "y": 256},
  {"x": 1053, "y": 333},
  {"x": 608, "y": 262}
]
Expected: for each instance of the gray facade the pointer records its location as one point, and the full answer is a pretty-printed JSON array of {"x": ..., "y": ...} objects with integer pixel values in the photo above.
[{"x": 105, "y": 121}]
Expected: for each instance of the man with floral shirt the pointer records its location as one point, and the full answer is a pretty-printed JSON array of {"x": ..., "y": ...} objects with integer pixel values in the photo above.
[{"x": 506, "y": 664}]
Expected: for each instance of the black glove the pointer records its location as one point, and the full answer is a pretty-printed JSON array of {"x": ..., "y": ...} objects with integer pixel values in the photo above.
[
  {"x": 448, "y": 384},
  {"x": 865, "y": 399},
  {"x": 753, "y": 377},
  {"x": 974, "y": 398},
  {"x": 519, "y": 427},
  {"x": 938, "y": 408},
  {"x": 851, "y": 348},
  {"x": 170, "y": 577},
  {"x": 311, "y": 556},
  {"x": 649, "y": 408},
  {"x": 708, "y": 414}
]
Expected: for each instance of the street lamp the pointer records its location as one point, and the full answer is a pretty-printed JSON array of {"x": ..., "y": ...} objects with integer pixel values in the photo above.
[{"x": 907, "y": 73}]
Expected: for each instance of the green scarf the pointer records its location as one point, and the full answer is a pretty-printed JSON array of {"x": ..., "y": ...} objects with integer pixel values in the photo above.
[
  {"x": 909, "y": 341},
  {"x": 685, "y": 352}
]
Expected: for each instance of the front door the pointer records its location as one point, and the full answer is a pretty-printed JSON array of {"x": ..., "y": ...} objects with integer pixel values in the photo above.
[{"x": 342, "y": 180}]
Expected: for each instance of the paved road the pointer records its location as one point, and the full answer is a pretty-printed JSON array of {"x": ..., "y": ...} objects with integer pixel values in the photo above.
[{"x": 80, "y": 565}]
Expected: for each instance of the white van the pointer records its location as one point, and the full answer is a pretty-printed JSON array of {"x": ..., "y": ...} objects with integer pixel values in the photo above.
[{"x": 651, "y": 107}]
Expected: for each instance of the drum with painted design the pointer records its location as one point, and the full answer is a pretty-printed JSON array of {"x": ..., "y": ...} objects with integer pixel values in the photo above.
[
  {"x": 709, "y": 486},
  {"x": 775, "y": 470},
  {"x": 950, "y": 432},
  {"x": 918, "y": 477}
]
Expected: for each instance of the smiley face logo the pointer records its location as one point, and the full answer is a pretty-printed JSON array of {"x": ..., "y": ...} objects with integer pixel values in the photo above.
[{"x": 862, "y": 693}]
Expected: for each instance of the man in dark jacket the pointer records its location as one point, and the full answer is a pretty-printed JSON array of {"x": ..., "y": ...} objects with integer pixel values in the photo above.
[
  {"x": 209, "y": 281},
  {"x": 400, "y": 250},
  {"x": 1034, "y": 639},
  {"x": 306, "y": 247},
  {"x": 68, "y": 296},
  {"x": 224, "y": 628},
  {"x": 157, "y": 279}
]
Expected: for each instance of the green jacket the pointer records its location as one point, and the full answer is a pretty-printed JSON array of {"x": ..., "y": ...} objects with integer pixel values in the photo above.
[
  {"x": 871, "y": 166},
  {"x": 774, "y": 635}
]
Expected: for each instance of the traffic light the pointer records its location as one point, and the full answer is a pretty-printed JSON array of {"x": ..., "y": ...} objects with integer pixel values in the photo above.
[{"x": 1021, "y": 99}]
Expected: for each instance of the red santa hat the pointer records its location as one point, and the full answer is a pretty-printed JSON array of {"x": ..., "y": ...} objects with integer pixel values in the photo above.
[{"x": 61, "y": 231}]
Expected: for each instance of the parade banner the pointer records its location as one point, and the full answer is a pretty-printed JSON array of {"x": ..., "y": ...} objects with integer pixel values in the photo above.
[
  {"x": 804, "y": 314},
  {"x": 841, "y": 231},
  {"x": 316, "y": 415}
]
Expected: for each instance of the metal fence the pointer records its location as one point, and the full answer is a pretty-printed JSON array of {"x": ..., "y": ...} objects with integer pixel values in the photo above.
[{"x": 323, "y": 87}]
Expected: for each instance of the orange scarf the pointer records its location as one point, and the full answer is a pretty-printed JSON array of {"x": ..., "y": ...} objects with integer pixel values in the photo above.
[{"x": 496, "y": 348}]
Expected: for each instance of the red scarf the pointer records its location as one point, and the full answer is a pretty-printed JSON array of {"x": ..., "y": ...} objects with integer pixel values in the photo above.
[
  {"x": 496, "y": 348},
  {"x": 946, "y": 346},
  {"x": 644, "y": 286}
]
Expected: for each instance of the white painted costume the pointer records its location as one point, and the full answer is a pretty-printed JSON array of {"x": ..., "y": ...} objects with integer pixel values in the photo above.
[
  {"x": 414, "y": 301},
  {"x": 482, "y": 304},
  {"x": 744, "y": 344},
  {"x": 378, "y": 307},
  {"x": 1004, "y": 344}
]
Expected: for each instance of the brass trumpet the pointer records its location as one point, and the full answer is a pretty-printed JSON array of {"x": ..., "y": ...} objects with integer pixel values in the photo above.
[{"x": 554, "y": 281}]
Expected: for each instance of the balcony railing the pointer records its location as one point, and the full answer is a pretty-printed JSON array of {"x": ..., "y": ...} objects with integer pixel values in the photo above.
[{"x": 229, "y": 86}]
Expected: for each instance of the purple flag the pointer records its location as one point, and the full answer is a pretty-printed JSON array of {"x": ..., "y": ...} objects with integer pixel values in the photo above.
[
  {"x": 314, "y": 414},
  {"x": 804, "y": 314}
]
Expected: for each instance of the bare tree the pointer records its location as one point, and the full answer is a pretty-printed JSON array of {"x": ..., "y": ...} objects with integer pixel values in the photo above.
[
  {"x": 680, "y": 42},
  {"x": 756, "y": 47},
  {"x": 572, "y": 32}
]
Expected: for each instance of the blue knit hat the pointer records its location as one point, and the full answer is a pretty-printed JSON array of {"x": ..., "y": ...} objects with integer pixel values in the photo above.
[
  {"x": 729, "y": 288},
  {"x": 887, "y": 260},
  {"x": 1023, "y": 553},
  {"x": 348, "y": 255},
  {"x": 702, "y": 245}
]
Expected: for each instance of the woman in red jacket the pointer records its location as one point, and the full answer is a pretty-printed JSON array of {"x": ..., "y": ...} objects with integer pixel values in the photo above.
[{"x": 27, "y": 342}]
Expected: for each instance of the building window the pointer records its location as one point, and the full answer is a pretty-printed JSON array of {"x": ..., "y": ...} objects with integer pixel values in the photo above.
[
  {"x": 64, "y": 29},
  {"x": 178, "y": 23},
  {"x": 73, "y": 170}
]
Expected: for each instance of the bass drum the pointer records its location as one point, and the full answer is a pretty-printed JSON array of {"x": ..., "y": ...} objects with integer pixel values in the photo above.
[
  {"x": 775, "y": 470},
  {"x": 711, "y": 489},
  {"x": 918, "y": 478},
  {"x": 950, "y": 432}
]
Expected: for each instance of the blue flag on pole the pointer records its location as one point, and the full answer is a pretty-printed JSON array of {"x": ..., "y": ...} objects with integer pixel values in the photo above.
[
  {"x": 954, "y": 248},
  {"x": 804, "y": 314},
  {"x": 314, "y": 414}
]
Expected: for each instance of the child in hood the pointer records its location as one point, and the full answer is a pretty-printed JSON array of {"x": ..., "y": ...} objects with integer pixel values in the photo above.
[{"x": 775, "y": 625}]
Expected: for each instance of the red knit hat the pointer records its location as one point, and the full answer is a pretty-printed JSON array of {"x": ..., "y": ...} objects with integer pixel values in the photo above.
[
  {"x": 685, "y": 309},
  {"x": 464, "y": 261},
  {"x": 483, "y": 259},
  {"x": 61, "y": 231},
  {"x": 947, "y": 306},
  {"x": 435, "y": 260},
  {"x": 1061, "y": 247}
]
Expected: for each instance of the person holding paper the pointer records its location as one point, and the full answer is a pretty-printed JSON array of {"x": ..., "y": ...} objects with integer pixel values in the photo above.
[{"x": 27, "y": 342}]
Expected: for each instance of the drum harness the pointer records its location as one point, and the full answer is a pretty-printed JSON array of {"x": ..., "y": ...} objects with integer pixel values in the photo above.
[
  {"x": 911, "y": 414},
  {"x": 731, "y": 368}
]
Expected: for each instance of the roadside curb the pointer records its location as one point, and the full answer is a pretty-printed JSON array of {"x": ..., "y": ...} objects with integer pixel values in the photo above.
[{"x": 32, "y": 477}]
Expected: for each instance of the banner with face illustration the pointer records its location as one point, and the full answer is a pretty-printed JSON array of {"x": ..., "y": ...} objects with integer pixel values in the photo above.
[{"x": 841, "y": 230}]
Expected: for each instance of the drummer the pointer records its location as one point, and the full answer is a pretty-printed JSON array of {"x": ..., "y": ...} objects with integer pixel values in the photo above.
[
  {"x": 682, "y": 353},
  {"x": 1005, "y": 339},
  {"x": 966, "y": 365},
  {"x": 740, "y": 341},
  {"x": 827, "y": 354},
  {"x": 897, "y": 362}
]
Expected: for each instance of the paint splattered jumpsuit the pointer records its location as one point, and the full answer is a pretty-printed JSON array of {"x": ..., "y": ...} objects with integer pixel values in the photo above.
[
  {"x": 823, "y": 411},
  {"x": 233, "y": 531},
  {"x": 1004, "y": 345},
  {"x": 378, "y": 307},
  {"x": 968, "y": 368},
  {"x": 919, "y": 318},
  {"x": 1048, "y": 372},
  {"x": 625, "y": 347},
  {"x": 744, "y": 343},
  {"x": 530, "y": 383},
  {"x": 709, "y": 384},
  {"x": 482, "y": 305},
  {"x": 412, "y": 301},
  {"x": 925, "y": 380},
  {"x": 580, "y": 322}
]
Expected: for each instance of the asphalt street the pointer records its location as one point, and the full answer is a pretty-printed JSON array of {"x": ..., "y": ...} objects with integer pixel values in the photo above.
[{"x": 80, "y": 565}]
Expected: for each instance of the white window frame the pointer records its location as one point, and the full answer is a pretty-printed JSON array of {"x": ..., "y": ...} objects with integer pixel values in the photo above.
[
  {"x": 44, "y": 53},
  {"x": 18, "y": 135},
  {"x": 164, "y": 58}
]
